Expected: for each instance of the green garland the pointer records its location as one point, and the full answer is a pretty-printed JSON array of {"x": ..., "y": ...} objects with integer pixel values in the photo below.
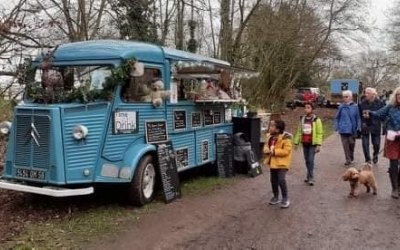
[
  {"x": 83, "y": 94},
  {"x": 119, "y": 76}
]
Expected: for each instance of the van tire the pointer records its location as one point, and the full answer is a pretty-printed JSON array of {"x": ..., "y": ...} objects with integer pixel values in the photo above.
[{"x": 142, "y": 187}]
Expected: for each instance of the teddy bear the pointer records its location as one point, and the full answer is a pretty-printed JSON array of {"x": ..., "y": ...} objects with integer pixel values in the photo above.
[{"x": 158, "y": 93}]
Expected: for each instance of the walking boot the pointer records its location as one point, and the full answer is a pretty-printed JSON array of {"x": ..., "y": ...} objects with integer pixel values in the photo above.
[
  {"x": 375, "y": 159},
  {"x": 395, "y": 193},
  {"x": 393, "y": 175},
  {"x": 375, "y": 154}
]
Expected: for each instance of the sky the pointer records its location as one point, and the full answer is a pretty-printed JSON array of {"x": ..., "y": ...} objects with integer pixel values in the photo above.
[
  {"x": 377, "y": 39},
  {"x": 380, "y": 14},
  {"x": 378, "y": 8}
]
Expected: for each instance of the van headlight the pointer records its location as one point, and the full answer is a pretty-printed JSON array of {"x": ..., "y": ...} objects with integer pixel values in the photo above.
[
  {"x": 5, "y": 127},
  {"x": 80, "y": 132}
]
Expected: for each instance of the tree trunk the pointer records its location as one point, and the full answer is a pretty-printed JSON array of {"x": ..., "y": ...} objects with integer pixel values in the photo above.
[
  {"x": 179, "y": 25},
  {"x": 215, "y": 51},
  {"x": 226, "y": 31}
]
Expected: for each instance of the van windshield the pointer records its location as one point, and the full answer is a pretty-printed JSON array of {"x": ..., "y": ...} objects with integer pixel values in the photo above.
[{"x": 61, "y": 84}]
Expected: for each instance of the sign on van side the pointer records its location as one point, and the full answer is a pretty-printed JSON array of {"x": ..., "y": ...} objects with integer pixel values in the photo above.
[
  {"x": 125, "y": 122},
  {"x": 156, "y": 131}
]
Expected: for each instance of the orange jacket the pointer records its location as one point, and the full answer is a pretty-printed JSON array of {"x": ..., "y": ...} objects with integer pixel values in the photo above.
[{"x": 282, "y": 154}]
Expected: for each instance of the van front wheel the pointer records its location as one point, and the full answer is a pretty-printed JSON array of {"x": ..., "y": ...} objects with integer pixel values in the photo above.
[{"x": 142, "y": 186}]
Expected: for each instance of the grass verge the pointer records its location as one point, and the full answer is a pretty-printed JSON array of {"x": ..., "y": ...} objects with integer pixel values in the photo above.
[
  {"x": 84, "y": 227},
  {"x": 203, "y": 185},
  {"x": 79, "y": 229},
  {"x": 328, "y": 128}
]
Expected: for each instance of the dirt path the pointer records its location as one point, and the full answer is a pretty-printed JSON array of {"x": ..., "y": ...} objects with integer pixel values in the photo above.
[
  {"x": 17, "y": 209},
  {"x": 238, "y": 217}
]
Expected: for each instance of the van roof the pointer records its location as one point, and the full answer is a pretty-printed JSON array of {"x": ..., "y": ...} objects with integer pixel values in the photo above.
[
  {"x": 122, "y": 49},
  {"x": 345, "y": 80}
]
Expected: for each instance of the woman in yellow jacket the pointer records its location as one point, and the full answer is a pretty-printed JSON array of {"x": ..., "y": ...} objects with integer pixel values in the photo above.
[{"x": 278, "y": 155}]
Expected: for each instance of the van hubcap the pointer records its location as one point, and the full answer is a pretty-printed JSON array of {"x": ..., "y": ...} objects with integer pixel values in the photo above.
[{"x": 148, "y": 180}]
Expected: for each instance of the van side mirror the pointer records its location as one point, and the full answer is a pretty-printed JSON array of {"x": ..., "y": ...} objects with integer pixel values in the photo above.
[{"x": 137, "y": 69}]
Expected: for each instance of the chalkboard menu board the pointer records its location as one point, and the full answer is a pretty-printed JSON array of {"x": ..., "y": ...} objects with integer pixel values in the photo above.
[
  {"x": 208, "y": 117},
  {"x": 217, "y": 117},
  {"x": 168, "y": 172},
  {"x": 224, "y": 149},
  {"x": 182, "y": 157},
  {"x": 204, "y": 150},
  {"x": 196, "y": 119},
  {"x": 179, "y": 119},
  {"x": 156, "y": 131}
]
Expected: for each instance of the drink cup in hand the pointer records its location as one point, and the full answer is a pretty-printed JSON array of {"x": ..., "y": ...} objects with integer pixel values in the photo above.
[
  {"x": 272, "y": 149},
  {"x": 366, "y": 113}
]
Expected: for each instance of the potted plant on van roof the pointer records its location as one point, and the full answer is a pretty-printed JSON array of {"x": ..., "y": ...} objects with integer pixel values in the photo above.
[{"x": 192, "y": 90}]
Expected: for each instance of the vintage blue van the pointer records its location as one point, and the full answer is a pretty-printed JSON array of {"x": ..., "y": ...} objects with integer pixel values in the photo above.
[{"x": 93, "y": 111}]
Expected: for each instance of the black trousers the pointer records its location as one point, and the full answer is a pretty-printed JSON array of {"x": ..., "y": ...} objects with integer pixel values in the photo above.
[
  {"x": 278, "y": 180},
  {"x": 394, "y": 174}
]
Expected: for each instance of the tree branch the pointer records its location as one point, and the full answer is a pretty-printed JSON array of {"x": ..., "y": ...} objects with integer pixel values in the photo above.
[
  {"x": 98, "y": 20},
  {"x": 7, "y": 73}
]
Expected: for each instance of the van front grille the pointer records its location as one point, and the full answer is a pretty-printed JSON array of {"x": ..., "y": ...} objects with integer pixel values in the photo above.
[{"x": 32, "y": 140}]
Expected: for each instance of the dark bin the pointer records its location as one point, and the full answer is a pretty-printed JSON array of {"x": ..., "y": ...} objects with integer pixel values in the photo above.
[
  {"x": 251, "y": 129},
  {"x": 241, "y": 150},
  {"x": 244, "y": 160}
]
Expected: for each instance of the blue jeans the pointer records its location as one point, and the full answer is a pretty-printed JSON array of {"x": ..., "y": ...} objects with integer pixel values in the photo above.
[
  {"x": 376, "y": 143},
  {"x": 309, "y": 155}
]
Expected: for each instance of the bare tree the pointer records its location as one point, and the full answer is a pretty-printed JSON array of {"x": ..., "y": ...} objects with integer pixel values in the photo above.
[
  {"x": 226, "y": 29},
  {"x": 16, "y": 34},
  {"x": 27, "y": 27},
  {"x": 179, "y": 30},
  {"x": 167, "y": 13},
  {"x": 377, "y": 70},
  {"x": 243, "y": 22},
  {"x": 214, "y": 43},
  {"x": 77, "y": 21},
  {"x": 231, "y": 32},
  {"x": 289, "y": 39}
]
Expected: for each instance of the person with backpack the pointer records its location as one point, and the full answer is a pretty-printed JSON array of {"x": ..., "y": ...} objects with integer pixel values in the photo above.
[{"x": 310, "y": 134}]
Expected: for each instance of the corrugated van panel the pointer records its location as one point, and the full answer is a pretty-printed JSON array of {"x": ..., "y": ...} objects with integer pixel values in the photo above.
[{"x": 116, "y": 144}]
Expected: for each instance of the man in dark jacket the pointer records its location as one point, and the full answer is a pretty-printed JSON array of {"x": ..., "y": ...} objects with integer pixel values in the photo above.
[{"x": 370, "y": 127}]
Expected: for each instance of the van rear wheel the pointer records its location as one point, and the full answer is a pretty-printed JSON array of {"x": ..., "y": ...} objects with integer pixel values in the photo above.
[{"x": 142, "y": 186}]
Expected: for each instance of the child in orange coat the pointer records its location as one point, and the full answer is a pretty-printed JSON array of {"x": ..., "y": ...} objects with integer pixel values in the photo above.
[{"x": 277, "y": 155}]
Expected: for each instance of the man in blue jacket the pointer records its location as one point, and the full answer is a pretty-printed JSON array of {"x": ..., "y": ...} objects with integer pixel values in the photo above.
[{"x": 348, "y": 125}]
